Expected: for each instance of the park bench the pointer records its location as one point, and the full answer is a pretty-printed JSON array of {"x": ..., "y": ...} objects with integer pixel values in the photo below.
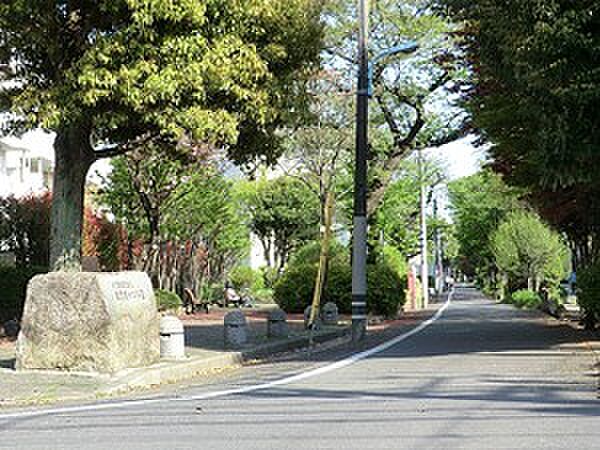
[{"x": 193, "y": 304}]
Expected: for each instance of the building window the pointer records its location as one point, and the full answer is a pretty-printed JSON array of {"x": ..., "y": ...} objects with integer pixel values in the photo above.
[{"x": 35, "y": 165}]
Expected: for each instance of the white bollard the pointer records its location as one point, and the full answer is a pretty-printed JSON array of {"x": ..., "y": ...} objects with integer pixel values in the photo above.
[{"x": 172, "y": 340}]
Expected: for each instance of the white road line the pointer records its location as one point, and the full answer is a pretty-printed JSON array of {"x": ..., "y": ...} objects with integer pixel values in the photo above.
[{"x": 242, "y": 390}]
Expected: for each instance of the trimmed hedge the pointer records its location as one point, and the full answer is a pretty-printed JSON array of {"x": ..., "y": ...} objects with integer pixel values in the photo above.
[
  {"x": 167, "y": 300},
  {"x": 386, "y": 288},
  {"x": 13, "y": 289},
  {"x": 588, "y": 293},
  {"x": 525, "y": 299}
]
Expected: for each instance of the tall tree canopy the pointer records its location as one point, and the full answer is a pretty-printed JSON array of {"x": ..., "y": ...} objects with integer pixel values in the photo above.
[
  {"x": 413, "y": 106},
  {"x": 536, "y": 98},
  {"x": 480, "y": 203},
  {"x": 111, "y": 75}
]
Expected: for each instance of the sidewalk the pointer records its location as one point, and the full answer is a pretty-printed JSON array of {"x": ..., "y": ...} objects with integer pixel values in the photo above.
[{"x": 205, "y": 353}]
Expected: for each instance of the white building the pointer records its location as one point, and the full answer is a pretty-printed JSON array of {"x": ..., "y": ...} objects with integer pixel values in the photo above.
[{"x": 23, "y": 171}]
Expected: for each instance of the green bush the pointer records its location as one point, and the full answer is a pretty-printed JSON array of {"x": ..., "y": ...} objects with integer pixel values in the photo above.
[
  {"x": 263, "y": 295},
  {"x": 525, "y": 299},
  {"x": 13, "y": 287},
  {"x": 294, "y": 289},
  {"x": 310, "y": 253},
  {"x": 167, "y": 300},
  {"x": 588, "y": 292},
  {"x": 242, "y": 277},
  {"x": 386, "y": 288}
]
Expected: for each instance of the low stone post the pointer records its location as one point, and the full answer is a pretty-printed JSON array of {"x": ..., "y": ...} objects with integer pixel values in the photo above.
[
  {"x": 172, "y": 338},
  {"x": 277, "y": 326},
  {"x": 329, "y": 313},
  {"x": 236, "y": 329}
]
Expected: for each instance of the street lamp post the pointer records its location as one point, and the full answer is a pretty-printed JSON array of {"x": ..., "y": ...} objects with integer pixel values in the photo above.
[
  {"x": 359, "y": 235},
  {"x": 359, "y": 232}
]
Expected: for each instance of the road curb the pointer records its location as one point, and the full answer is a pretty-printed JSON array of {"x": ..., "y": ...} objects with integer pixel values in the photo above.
[{"x": 170, "y": 372}]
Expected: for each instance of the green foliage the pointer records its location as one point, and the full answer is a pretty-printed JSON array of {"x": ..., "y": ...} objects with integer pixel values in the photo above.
[
  {"x": 394, "y": 259},
  {"x": 536, "y": 97},
  {"x": 211, "y": 70},
  {"x": 385, "y": 291},
  {"x": 128, "y": 73},
  {"x": 194, "y": 202},
  {"x": 398, "y": 216},
  {"x": 167, "y": 300},
  {"x": 294, "y": 290},
  {"x": 529, "y": 252},
  {"x": 588, "y": 291},
  {"x": 386, "y": 287},
  {"x": 283, "y": 210},
  {"x": 311, "y": 252},
  {"x": 525, "y": 299},
  {"x": 480, "y": 203},
  {"x": 244, "y": 277},
  {"x": 13, "y": 287},
  {"x": 270, "y": 276}
]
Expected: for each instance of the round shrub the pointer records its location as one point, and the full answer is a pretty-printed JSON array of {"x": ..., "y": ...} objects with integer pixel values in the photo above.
[
  {"x": 294, "y": 289},
  {"x": 525, "y": 298},
  {"x": 167, "y": 300},
  {"x": 386, "y": 290},
  {"x": 588, "y": 293},
  {"x": 242, "y": 277},
  {"x": 311, "y": 252}
]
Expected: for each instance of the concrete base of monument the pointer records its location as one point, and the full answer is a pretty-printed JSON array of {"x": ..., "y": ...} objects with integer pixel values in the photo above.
[{"x": 89, "y": 322}]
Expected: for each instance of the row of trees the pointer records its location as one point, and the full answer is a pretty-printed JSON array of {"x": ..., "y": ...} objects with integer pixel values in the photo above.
[
  {"x": 502, "y": 243},
  {"x": 535, "y": 97}
]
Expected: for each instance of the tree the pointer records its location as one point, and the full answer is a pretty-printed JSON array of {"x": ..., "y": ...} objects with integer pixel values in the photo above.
[
  {"x": 318, "y": 153},
  {"x": 480, "y": 203},
  {"x": 414, "y": 106},
  {"x": 187, "y": 215},
  {"x": 529, "y": 252},
  {"x": 535, "y": 98},
  {"x": 397, "y": 221},
  {"x": 109, "y": 76},
  {"x": 283, "y": 213}
]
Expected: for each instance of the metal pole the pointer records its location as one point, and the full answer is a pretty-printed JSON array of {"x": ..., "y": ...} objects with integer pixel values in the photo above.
[
  {"x": 439, "y": 267},
  {"x": 359, "y": 238},
  {"x": 424, "y": 262}
]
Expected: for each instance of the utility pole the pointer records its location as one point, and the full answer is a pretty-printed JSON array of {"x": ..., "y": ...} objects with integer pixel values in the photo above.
[
  {"x": 424, "y": 263},
  {"x": 359, "y": 236},
  {"x": 439, "y": 257}
]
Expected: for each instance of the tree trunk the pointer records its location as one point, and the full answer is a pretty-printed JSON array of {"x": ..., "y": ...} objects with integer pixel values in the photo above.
[
  {"x": 73, "y": 158},
  {"x": 323, "y": 261}
]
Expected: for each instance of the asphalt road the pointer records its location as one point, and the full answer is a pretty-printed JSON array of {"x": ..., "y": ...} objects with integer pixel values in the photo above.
[{"x": 483, "y": 376}]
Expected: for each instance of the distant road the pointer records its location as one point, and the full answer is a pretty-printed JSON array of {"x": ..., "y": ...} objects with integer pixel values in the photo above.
[{"x": 483, "y": 376}]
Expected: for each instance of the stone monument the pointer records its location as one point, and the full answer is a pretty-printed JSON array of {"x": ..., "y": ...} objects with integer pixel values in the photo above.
[{"x": 84, "y": 321}]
